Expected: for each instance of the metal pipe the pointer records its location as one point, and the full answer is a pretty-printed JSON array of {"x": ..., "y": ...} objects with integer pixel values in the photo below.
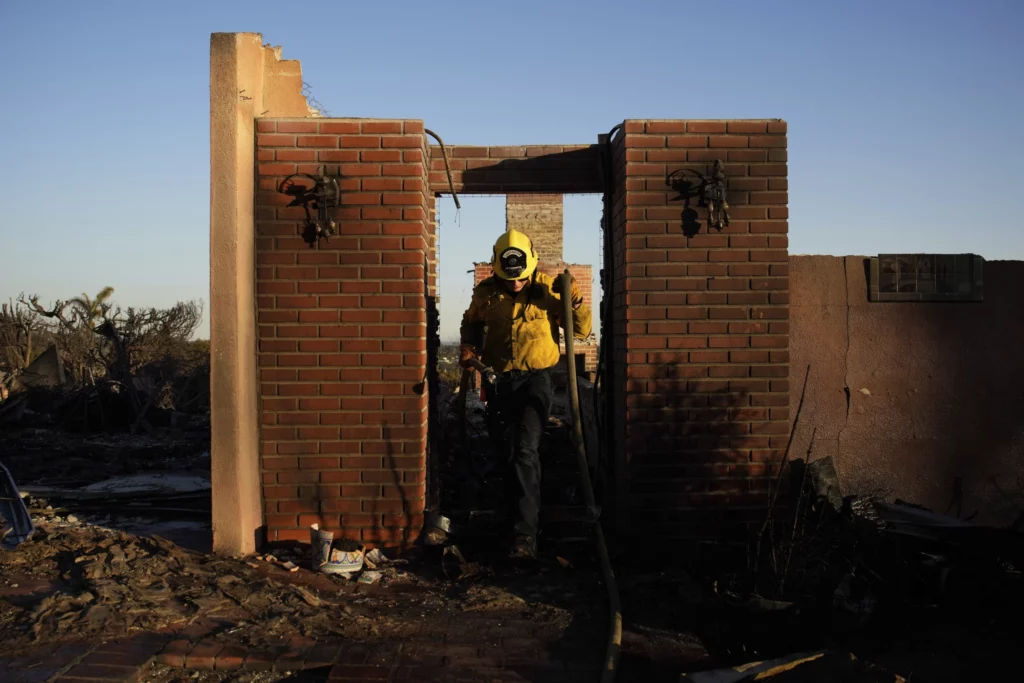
[
  {"x": 444, "y": 155},
  {"x": 615, "y": 607}
]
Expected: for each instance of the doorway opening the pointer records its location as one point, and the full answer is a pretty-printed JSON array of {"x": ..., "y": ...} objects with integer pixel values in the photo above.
[{"x": 466, "y": 469}]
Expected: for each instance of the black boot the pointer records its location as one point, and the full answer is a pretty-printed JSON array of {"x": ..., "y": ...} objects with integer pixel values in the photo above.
[{"x": 523, "y": 548}]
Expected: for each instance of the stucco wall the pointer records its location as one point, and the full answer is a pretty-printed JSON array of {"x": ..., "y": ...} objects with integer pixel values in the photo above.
[
  {"x": 247, "y": 79},
  {"x": 936, "y": 391}
]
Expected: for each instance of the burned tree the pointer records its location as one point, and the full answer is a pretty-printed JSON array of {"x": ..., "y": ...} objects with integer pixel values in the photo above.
[
  {"x": 137, "y": 353},
  {"x": 20, "y": 332}
]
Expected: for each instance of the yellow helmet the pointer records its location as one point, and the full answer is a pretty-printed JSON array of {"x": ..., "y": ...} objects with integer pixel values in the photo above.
[{"x": 514, "y": 256}]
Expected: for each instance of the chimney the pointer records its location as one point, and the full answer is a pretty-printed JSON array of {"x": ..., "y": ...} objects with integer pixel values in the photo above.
[{"x": 540, "y": 217}]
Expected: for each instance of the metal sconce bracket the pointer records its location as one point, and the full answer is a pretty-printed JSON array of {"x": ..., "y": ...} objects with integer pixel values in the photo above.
[
  {"x": 709, "y": 190},
  {"x": 323, "y": 195}
]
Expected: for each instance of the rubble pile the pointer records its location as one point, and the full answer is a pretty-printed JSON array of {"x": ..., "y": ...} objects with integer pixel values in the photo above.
[
  {"x": 858, "y": 553},
  {"x": 108, "y": 583},
  {"x": 101, "y": 582},
  {"x": 880, "y": 589},
  {"x": 49, "y": 457},
  {"x": 92, "y": 582}
]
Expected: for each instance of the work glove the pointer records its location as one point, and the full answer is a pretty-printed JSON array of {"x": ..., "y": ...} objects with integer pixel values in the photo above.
[
  {"x": 467, "y": 354},
  {"x": 490, "y": 385},
  {"x": 575, "y": 294}
]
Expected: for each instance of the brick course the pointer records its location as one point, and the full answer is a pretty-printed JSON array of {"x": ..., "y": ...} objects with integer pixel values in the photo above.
[
  {"x": 696, "y": 321},
  {"x": 343, "y": 331},
  {"x": 699, "y": 324}
]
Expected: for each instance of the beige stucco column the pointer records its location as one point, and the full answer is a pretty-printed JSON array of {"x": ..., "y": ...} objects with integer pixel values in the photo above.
[{"x": 247, "y": 81}]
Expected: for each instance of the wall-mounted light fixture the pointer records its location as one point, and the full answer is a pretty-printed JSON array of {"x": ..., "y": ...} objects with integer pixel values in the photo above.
[
  {"x": 324, "y": 194},
  {"x": 713, "y": 197},
  {"x": 709, "y": 191}
]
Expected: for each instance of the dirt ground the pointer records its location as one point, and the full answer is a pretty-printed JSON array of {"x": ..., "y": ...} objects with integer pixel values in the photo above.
[
  {"x": 105, "y": 583},
  {"x": 92, "y": 583},
  {"x": 161, "y": 673},
  {"x": 93, "y": 573}
]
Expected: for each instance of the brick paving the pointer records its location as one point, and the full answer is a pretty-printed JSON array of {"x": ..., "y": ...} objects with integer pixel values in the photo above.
[
  {"x": 501, "y": 646},
  {"x": 118, "y": 660},
  {"x": 514, "y": 658},
  {"x": 509, "y": 625}
]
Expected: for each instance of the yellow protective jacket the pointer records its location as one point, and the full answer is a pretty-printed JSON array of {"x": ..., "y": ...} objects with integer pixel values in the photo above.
[{"x": 520, "y": 330}]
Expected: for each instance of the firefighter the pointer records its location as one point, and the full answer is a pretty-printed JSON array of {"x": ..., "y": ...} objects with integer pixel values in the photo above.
[{"x": 512, "y": 326}]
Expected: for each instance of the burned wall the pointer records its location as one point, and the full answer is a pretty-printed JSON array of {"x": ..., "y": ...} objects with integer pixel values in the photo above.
[
  {"x": 699, "y": 320},
  {"x": 908, "y": 397},
  {"x": 343, "y": 331},
  {"x": 701, "y": 327}
]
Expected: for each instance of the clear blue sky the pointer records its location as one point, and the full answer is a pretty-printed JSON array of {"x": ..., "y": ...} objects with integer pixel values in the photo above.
[{"x": 905, "y": 118}]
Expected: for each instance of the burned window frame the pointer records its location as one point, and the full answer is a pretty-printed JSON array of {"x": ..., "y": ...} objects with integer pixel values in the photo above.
[{"x": 926, "y": 277}]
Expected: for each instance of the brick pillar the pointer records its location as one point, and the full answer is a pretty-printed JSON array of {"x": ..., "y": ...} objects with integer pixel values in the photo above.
[
  {"x": 540, "y": 217},
  {"x": 481, "y": 271},
  {"x": 343, "y": 332},
  {"x": 701, "y": 327},
  {"x": 433, "y": 330}
]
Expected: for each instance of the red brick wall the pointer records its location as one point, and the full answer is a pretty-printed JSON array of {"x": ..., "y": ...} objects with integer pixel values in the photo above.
[
  {"x": 701, "y": 327},
  {"x": 343, "y": 331},
  {"x": 699, "y": 387},
  {"x": 481, "y": 271}
]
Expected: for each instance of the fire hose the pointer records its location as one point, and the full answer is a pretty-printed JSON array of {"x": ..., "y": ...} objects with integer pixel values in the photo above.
[{"x": 615, "y": 608}]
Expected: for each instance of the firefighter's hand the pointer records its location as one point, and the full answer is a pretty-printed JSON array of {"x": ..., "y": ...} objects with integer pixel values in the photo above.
[
  {"x": 575, "y": 293},
  {"x": 467, "y": 354}
]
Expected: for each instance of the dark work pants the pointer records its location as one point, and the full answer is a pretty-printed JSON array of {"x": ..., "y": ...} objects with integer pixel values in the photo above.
[{"x": 516, "y": 414}]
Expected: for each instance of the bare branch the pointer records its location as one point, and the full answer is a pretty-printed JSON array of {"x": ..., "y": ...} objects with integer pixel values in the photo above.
[{"x": 57, "y": 311}]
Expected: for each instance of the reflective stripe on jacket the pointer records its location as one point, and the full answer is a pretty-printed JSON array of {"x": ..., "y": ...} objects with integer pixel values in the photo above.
[{"x": 521, "y": 330}]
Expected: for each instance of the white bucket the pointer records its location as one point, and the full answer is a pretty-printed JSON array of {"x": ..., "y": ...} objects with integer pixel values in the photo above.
[{"x": 331, "y": 560}]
